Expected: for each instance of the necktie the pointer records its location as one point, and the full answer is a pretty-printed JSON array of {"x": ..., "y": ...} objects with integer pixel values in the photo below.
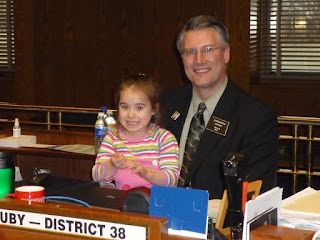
[{"x": 196, "y": 129}]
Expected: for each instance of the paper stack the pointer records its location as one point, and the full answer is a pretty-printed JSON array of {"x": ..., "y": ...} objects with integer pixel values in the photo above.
[
  {"x": 213, "y": 209},
  {"x": 264, "y": 210},
  {"x": 302, "y": 210},
  {"x": 17, "y": 142}
]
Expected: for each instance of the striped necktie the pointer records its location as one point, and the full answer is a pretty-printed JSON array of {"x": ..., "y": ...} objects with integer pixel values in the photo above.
[{"x": 196, "y": 129}]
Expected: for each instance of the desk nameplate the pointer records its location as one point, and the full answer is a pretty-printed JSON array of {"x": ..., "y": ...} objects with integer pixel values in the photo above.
[{"x": 71, "y": 225}]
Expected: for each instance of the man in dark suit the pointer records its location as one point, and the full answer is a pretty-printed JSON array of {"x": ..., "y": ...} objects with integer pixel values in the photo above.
[{"x": 234, "y": 120}]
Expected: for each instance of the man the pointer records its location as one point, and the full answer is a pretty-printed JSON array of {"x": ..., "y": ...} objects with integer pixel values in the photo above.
[{"x": 234, "y": 120}]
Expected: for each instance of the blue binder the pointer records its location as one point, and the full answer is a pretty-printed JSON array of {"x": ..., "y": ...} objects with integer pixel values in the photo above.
[{"x": 185, "y": 209}]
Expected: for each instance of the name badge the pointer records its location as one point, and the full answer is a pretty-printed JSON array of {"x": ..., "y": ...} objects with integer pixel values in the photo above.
[{"x": 218, "y": 126}]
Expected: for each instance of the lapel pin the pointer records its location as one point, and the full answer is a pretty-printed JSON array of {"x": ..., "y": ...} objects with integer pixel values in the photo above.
[{"x": 175, "y": 115}]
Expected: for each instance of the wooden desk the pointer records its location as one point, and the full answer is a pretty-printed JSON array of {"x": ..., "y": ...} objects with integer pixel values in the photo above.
[
  {"x": 62, "y": 164},
  {"x": 266, "y": 232},
  {"x": 156, "y": 227}
]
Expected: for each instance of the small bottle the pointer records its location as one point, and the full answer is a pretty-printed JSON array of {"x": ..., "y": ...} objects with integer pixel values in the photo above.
[
  {"x": 16, "y": 128},
  {"x": 110, "y": 119},
  {"x": 101, "y": 129}
]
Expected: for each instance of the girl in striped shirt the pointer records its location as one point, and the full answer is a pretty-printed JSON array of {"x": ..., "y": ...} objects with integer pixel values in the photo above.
[{"x": 137, "y": 152}]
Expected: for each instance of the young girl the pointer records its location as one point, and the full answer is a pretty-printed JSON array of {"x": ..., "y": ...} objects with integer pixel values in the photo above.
[{"x": 137, "y": 152}]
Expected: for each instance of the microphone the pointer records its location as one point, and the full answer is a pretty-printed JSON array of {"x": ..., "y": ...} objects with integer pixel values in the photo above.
[{"x": 235, "y": 169}]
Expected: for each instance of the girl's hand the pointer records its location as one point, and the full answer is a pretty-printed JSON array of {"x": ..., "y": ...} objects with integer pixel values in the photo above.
[
  {"x": 118, "y": 160},
  {"x": 136, "y": 167}
]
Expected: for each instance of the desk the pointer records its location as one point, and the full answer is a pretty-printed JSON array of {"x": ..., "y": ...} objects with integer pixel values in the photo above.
[
  {"x": 157, "y": 227},
  {"x": 266, "y": 232},
  {"x": 62, "y": 164}
]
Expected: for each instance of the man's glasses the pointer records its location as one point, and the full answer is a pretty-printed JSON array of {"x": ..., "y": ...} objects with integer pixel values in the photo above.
[{"x": 205, "y": 51}]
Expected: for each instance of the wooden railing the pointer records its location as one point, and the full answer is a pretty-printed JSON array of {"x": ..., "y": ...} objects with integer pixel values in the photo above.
[
  {"x": 48, "y": 116},
  {"x": 302, "y": 134}
]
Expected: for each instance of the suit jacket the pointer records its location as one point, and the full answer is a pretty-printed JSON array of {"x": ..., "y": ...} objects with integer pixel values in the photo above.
[{"x": 252, "y": 131}]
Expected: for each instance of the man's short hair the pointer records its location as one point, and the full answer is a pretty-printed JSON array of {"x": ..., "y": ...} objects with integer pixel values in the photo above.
[{"x": 201, "y": 22}]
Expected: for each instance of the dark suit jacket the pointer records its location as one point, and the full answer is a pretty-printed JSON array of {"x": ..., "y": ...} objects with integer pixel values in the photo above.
[{"x": 253, "y": 131}]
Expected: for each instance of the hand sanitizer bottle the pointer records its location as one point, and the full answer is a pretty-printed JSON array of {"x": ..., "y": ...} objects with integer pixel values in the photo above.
[{"x": 16, "y": 128}]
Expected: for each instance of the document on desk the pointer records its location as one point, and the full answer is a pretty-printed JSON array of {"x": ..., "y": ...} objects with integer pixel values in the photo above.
[
  {"x": 213, "y": 209},
  {"x": 39, "y": 145},
  {"x": 17, "y": 142},
  {"x": 262, "y": 211},
  {"x": 301, "y": 210},
  {"x": 76, "y": 148}
]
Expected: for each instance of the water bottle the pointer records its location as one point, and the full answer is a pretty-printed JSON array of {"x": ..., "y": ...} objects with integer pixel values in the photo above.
[
  {"x": 101, "y": 129},
  {"x": 110, "y": 119}
]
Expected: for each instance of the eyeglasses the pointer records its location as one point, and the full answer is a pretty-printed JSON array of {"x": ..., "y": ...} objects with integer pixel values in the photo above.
[{"x": 206, "y": 51}]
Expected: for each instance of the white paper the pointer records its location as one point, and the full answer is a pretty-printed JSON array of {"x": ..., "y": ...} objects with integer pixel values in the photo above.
[
  {"x": 186, "y": 233},
  {"x": 213, "y": 209},
  {"x": 18, "y": 176},
  {"x": 298, "y": 218},
  {"x": 77, "y": 148},
  {"x": 263, "y": 203}
]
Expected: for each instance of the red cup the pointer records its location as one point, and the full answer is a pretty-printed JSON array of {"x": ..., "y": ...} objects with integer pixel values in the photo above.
[{"x": 28, "y": 193}]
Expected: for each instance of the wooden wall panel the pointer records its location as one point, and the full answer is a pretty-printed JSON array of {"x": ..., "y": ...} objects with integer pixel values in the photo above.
[
  {"x": 23, "y": 85},
  {"x": 238, "y": 23},
  {"x": 73, "y": 53},
  {"x": 292, "y": 100},
  {"x": 7, "y": 85}
]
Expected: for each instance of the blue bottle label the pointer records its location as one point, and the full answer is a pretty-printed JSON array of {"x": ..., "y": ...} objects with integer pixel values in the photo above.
[{"x": 100, "y": 132}]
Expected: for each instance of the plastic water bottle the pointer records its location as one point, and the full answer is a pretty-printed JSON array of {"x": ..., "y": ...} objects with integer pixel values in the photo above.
[
  {"x": 100, "y": 130},
  {"x": 110, "y": 119}
]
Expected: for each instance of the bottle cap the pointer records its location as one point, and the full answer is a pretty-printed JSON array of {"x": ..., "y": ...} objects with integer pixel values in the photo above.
[
  {"x": 104, "y": 109},
  {"x": 109, "y": 112}
]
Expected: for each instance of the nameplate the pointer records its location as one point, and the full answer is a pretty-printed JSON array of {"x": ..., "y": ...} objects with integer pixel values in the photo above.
[
  {"x": 70, "y": 225},
  {"x": 218, "y": 126}
]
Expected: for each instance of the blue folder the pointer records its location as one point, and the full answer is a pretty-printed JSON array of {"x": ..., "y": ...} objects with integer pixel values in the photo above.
[{"x": 185, "y": 209}]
